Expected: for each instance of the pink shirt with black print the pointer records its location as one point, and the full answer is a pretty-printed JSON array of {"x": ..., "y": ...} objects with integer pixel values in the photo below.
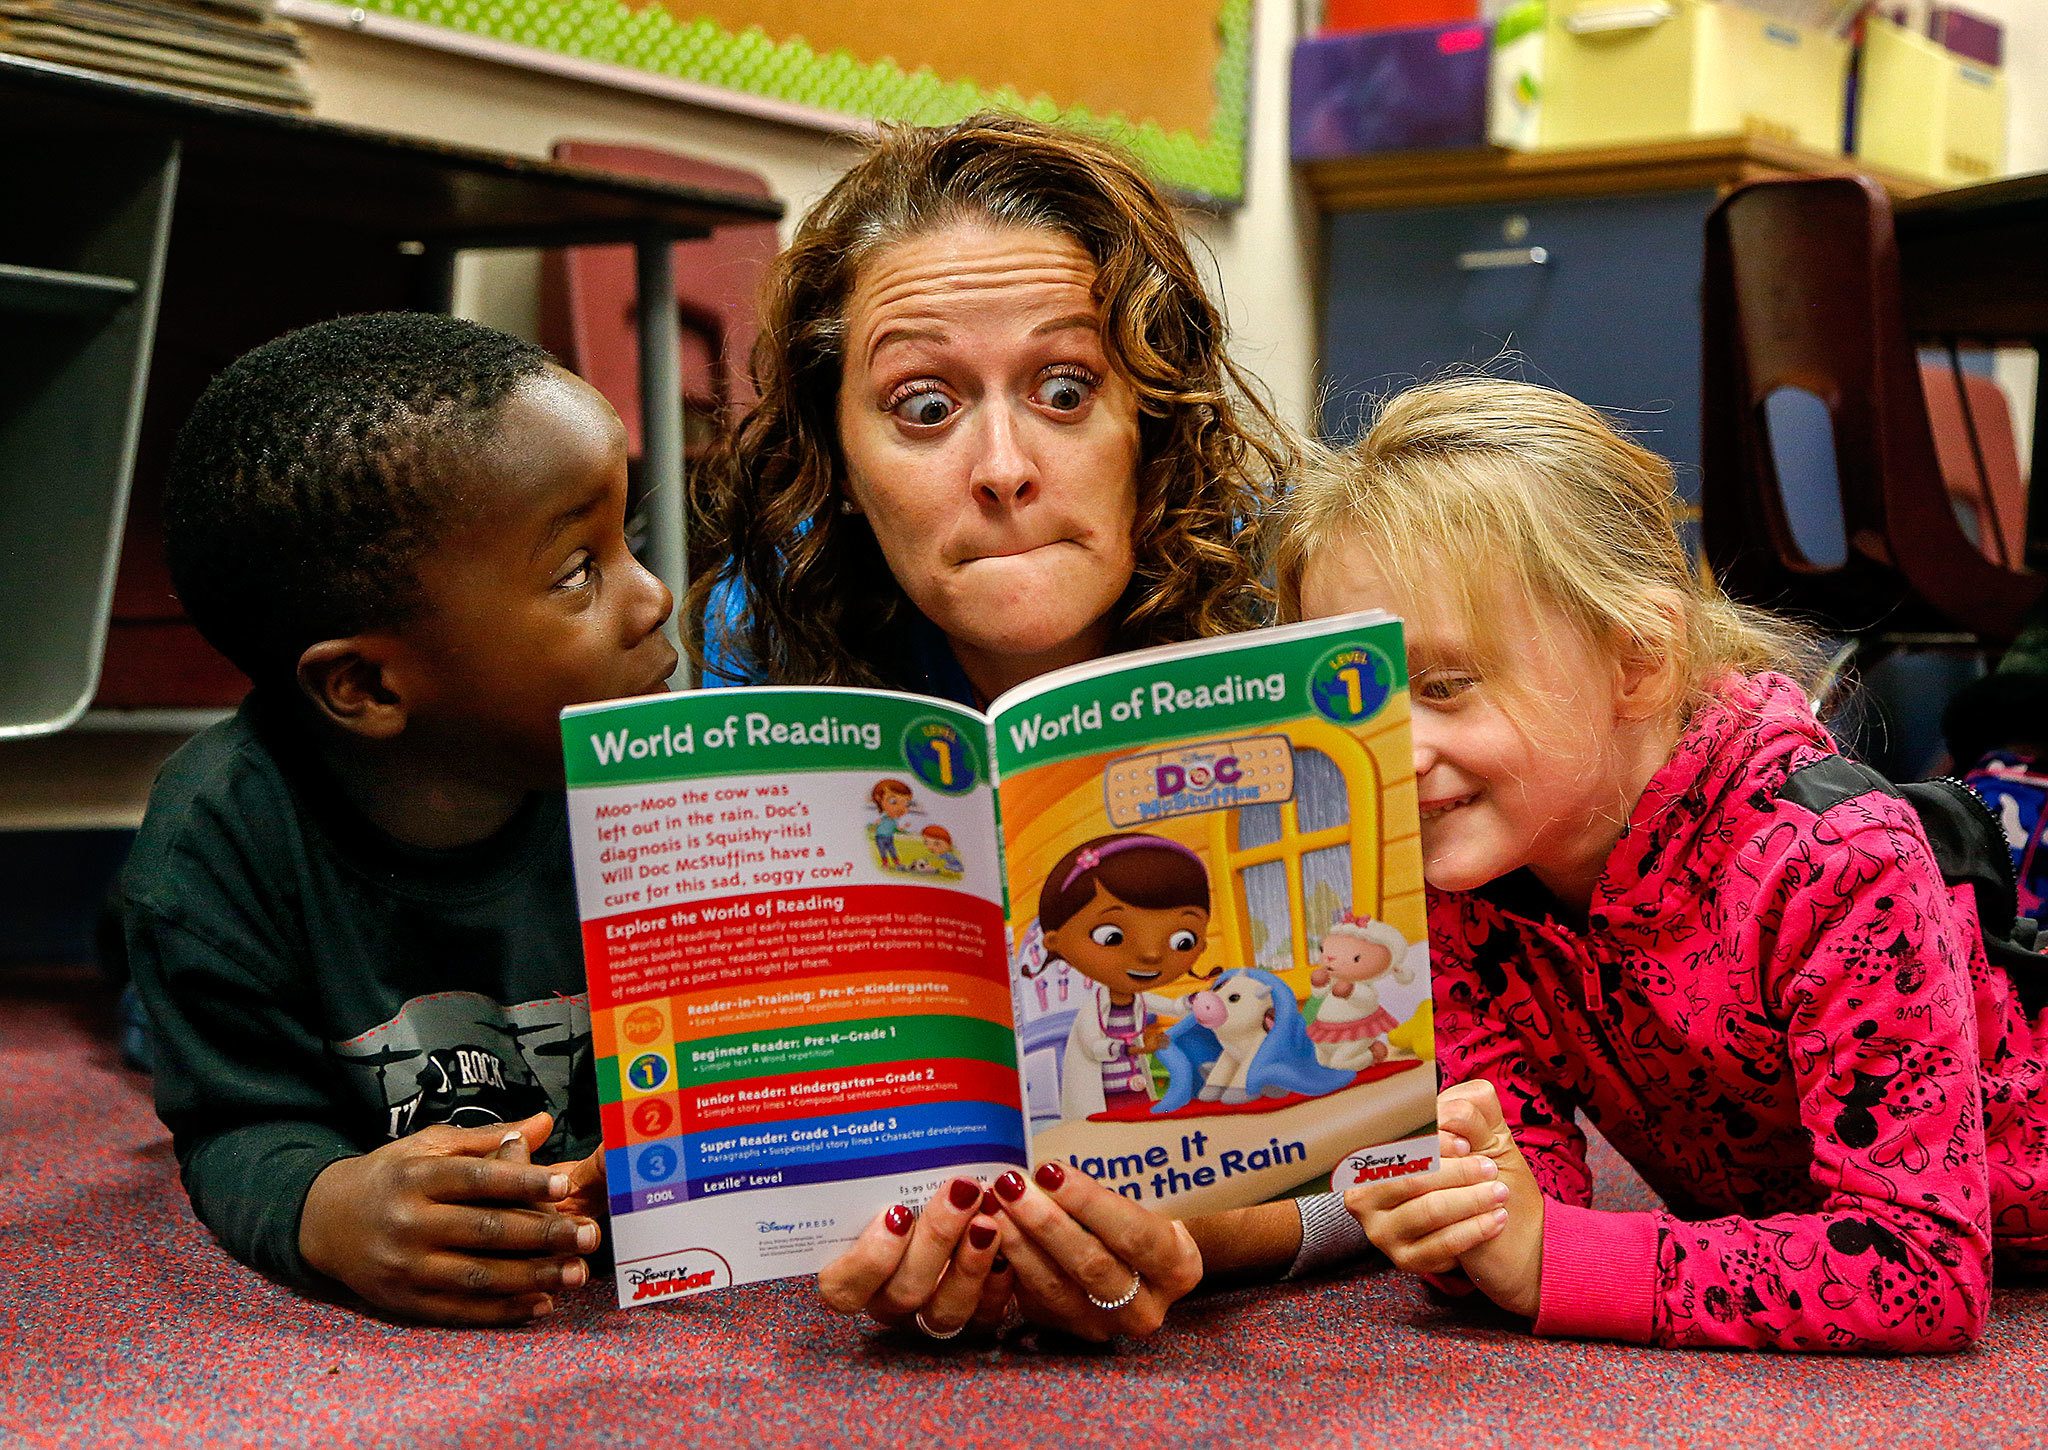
[{"x": 1777, "y": 1011}]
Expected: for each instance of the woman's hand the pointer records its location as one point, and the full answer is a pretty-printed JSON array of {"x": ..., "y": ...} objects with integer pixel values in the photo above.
[
  {"x": 938, "y": 1270},
  {"x": 1075, "y": 1246}
]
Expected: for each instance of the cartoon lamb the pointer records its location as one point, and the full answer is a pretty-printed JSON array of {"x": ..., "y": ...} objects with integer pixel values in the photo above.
[
  {"x": 1350, "y": 1028},
  {"x": 1241, "y": 1039}
]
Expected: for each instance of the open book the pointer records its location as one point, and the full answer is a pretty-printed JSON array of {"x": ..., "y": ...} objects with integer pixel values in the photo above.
[{"x": 1160, "y": 917}]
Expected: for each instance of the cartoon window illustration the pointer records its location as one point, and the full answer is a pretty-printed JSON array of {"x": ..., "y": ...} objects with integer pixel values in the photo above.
[{"x": 1291, "y": 863}]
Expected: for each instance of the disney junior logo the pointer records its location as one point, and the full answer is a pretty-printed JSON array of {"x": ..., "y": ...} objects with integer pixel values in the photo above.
[{"x": 690, "y": 1271}]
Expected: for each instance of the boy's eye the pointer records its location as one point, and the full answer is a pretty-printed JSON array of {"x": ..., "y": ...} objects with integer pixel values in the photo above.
[
  {"x": 1182, "y": 940},
  {"x": 1066, "y": 389},
  {"x": 1107, "y": 936},
  {"x": 921, "y": 405},
  {"x": 581, "y": 572}
]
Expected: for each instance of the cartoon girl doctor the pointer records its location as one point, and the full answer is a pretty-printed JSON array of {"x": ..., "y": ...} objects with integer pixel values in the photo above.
[{"x": 1131, "y": 913}]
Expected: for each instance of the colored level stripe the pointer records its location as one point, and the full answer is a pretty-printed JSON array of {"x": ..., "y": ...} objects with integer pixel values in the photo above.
[
  {"x": 842, "y": 1143},
  {"x": 855, "y": 1090},
  {"x": 843, "y": 1045},
  {"x": 846, "y": 998}
]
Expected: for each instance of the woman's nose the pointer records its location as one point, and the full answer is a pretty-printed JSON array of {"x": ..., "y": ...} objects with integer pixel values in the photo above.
[{"x": 1003, "y": 471}]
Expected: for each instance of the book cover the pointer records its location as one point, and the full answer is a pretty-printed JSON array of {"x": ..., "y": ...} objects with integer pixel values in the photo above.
[{"x": 1158, "y": 916}]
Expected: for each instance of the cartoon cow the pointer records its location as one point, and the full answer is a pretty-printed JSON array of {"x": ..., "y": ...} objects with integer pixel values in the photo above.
[{"x": 1241, "y": 1039}]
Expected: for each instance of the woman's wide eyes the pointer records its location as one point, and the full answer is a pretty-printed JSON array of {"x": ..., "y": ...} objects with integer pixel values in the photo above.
[
  {"x": 1064, "y": 392},
  {"x": 1182, "y": 940},
  {"x": 1107, "y": 936},
  {"x": 924, "y": 408}
]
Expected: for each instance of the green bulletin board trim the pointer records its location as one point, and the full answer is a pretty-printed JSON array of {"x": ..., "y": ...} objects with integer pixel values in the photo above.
[{"x": 648, "y": 38}]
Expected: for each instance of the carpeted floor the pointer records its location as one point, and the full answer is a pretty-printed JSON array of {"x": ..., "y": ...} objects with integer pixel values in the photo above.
[{"x": 122, "y": 1324}]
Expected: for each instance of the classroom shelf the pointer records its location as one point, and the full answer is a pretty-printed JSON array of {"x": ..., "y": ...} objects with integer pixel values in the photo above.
[{"x": 45, "y": 290}]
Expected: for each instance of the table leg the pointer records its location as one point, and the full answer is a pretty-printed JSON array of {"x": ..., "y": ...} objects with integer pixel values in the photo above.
[{"x": 661, "y": 425}]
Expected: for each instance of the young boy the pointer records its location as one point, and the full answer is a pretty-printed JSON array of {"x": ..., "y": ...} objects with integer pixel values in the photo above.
[{"x": 349, "y": 909}]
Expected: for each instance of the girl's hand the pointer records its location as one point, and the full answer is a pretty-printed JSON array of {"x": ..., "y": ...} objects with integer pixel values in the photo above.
[
  {"x": 586, "y": 1195},
  {"x": 1507, "y": 1266},
  {"x": 1426, "y": 1222},
  {"x": 1075, "y": 1246},
  {"x": 938, "y": 1270}
]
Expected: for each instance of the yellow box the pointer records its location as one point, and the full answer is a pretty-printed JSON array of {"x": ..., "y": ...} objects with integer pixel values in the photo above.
[
  {"x": 1618, "y": 71},
  {"x": 1923, "y": 110}
]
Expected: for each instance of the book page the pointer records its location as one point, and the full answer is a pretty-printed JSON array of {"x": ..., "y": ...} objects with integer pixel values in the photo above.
[
  {"x": 1216, "y": 916},
  {"x": 799, "y": 1003}
]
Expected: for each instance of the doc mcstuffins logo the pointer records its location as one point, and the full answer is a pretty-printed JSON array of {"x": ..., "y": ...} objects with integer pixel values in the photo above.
[{"x": 1210, "y": 775}]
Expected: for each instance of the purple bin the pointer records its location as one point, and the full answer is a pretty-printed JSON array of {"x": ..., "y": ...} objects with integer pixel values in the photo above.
[{"x": 1389, "y": 90}]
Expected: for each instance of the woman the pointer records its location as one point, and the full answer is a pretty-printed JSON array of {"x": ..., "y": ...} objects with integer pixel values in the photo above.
[{"x": 997, "y": 434}]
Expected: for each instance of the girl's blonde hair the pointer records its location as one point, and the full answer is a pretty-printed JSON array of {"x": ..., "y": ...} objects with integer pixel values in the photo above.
[{"x": 1467, "y": 485}]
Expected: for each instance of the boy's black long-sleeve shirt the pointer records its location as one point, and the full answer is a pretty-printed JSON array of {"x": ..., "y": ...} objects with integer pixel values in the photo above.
[{"x": 315, "y": 988}]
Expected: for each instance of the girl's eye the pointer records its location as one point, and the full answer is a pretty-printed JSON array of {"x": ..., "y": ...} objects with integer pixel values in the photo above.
[
  {"x": 1182, "y": 940},
  {"x": 1067, "y": 389},
  {"x": 921, "y": 405},
  {"x": 581, "y": 573},
  {"x": 1441, "y": 687},
  {"x": 1107, "y": 936}
]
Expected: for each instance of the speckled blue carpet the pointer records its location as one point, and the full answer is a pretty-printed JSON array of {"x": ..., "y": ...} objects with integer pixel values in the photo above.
[{"x": 122, "y": 1324}]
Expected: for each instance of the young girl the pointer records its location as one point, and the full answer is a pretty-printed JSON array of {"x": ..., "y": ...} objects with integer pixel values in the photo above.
[
  {"x": 1130, "y": 913},
  {"x": 1660, "y": 900}
]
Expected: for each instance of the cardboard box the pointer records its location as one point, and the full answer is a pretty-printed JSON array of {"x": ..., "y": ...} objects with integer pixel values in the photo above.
[
  {"x": 1344, "y": 17},
  {"x": 1619, "y": 71},
  {"x": 1389, "y": 90},
  {"x": 1923, "y": 110}
]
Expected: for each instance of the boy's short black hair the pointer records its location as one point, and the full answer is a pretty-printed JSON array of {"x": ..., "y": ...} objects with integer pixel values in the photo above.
[{"x": 315, "y": 472}]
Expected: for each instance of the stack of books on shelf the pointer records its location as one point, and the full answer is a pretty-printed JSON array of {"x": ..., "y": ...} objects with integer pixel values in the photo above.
[{"x": 236, "y": 48}]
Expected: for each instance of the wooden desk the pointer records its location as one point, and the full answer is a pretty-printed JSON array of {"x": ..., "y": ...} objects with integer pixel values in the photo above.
[{"x": 248, "y": 223}]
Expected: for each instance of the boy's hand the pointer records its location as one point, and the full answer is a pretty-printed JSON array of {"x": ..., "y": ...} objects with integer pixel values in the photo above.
[
  {"x": 586, "y": 1196},
  {"x": 1508, "y": 1266},
  {"x": 435, "y": 1227}
]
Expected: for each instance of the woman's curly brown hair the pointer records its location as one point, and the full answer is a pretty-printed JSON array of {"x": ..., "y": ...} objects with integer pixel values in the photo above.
[{"x": 817, "y": 604}]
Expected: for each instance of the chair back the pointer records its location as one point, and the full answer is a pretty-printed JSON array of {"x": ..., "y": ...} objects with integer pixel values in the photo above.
[{"x": 1802, "y": 304}]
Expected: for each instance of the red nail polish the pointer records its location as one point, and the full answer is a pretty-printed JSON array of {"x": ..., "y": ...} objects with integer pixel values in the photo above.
[
  {"x": 965, "y": 1193},
  {"x": 899, "y": 1220},
  {"x": 999, "y": 1265},
  {"x": 1050, "y": 1175},
  {"x": 1010, "y": 1186},
  {"x": 989, "y": 1205},
  {"x": 981, "y": 1235}
]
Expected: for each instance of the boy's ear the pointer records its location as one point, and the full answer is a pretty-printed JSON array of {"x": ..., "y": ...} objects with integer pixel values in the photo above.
[{"x": 349, "y": 681}]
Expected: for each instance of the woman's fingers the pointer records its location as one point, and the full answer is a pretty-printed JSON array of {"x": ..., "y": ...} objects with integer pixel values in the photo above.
[
  {"x": 937, "y": 1233},
  {"x": 997, "y": 1290},
  {"x": 957, "y": 1299},
  {"x": 851, "y": 1280},
  {"x": 1078, "y": 1246}
]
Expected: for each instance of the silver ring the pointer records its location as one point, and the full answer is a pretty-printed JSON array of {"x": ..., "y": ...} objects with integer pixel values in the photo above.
[
  {"x": 930, "y": 1333},
  {"x": 1137, "y": 1283}
]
